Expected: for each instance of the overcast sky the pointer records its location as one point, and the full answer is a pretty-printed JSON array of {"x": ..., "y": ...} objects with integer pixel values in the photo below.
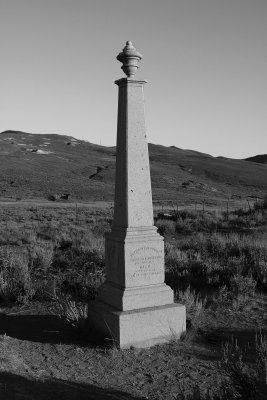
[{"x": 205, "y": 62}]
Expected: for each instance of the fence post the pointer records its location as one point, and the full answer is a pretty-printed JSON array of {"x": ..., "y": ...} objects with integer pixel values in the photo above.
[
  {"x": 203, "y": 207},
  {"x": 76, "y": 213}
]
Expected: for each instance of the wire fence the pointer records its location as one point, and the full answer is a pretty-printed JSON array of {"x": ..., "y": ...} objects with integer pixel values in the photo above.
[{"x": 227, "y": 205}]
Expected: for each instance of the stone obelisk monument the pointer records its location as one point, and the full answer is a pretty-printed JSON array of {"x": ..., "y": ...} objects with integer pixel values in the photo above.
[{"x": 135, "y": 307}]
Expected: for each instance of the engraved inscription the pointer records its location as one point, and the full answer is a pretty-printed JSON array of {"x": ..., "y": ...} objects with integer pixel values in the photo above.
[{"x": 147, "y": 261}]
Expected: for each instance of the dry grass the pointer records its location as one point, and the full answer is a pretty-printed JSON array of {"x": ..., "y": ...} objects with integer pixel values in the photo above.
[
  {"x": 73, "y": 312},
  {"x": 45, "y": 251},
  {"x": 246, "y": 380},
  {"x": 58, "y": 254}
]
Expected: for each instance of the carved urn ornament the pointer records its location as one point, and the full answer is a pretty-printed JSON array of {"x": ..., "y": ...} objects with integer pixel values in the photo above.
[{"x": 129, "y": 57}]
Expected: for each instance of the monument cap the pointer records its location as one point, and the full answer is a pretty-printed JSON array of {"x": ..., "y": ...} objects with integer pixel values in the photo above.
[{"x": 129, "y": 57}]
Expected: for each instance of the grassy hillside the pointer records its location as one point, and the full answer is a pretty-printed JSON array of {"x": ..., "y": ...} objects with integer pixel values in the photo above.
[
  {"x": 34, "y": 166},
  {"x": 260, "y": 158}
]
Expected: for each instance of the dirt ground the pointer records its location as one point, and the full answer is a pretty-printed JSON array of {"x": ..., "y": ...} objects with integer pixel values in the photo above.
[{"x": 42, "y": 358}]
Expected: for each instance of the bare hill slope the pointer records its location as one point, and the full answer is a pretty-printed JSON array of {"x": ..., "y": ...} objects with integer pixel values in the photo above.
[{"x": 34, "y": 166}]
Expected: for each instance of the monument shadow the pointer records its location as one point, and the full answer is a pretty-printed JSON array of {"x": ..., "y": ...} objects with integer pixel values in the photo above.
[
  {"x": 18, "y": 387},
  {"x": 50, "y": 329}
]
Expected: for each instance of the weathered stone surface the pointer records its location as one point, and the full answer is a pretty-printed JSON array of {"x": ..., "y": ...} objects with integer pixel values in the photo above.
[
  {"x": 129, "y": 58},
  {"x": 135, "y": 307},
  {"x": 133, "y": 200},
  {"x": 135, "y": 260},
  {"x": 141, "y": 327},
  {"x": 126, "y": 299}
]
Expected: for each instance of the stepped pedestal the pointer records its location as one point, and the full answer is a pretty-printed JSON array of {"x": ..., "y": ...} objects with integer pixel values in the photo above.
[{"x": 135, "y": 307}]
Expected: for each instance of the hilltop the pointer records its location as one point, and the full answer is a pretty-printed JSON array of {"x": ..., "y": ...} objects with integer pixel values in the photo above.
[
  {"x": 260, "y": 158},
  {"x": 33, "y": 166}
]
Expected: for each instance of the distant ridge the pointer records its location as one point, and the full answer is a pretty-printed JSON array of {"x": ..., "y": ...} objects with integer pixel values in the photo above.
[
  {"x": 14, "y": 132},
  {"x": 34, "y": 166},
  {"x": 261, "y": 159}
]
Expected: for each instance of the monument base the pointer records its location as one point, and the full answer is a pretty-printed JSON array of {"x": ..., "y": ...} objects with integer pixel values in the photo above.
[
  {"x": 142, "y": 327},
  {"x": 133, "y": 298}
]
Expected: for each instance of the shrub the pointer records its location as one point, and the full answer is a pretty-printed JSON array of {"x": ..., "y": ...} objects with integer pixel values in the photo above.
[
  {"x": 261, "y": 351},
  {"x": 242, "y": 378},
  {"x": 192, "y": 300},
  {"x": 78, "y": 272},
  {"x": 243, "y": 286},
  {"x": 15, "y": 276},
  {"x": 70, "y": 310},
  {"x": 183, "y": 226},
  {"x": 195, "y": 309},
  {"x": 245, "y": 380},
  {"x": 165, "y": 226}
]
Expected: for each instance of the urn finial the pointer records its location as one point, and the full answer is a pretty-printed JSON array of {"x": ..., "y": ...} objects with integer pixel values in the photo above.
[{"x": 129, "y": 58}]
